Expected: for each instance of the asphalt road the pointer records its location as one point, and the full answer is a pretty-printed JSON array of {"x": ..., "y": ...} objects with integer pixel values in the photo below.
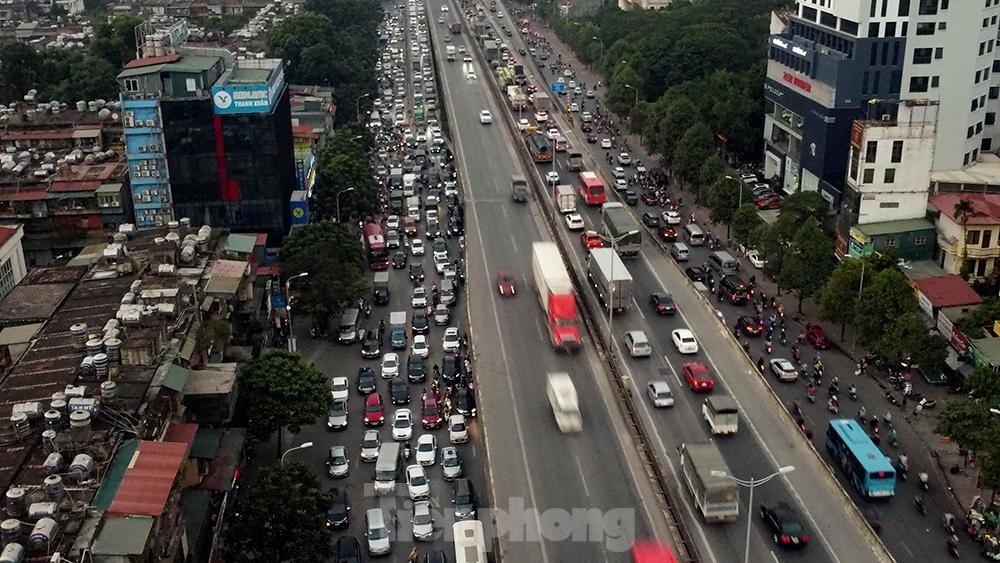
[
  {"x": 586, "y": 479},
  {"x": 765, "y": 441}
]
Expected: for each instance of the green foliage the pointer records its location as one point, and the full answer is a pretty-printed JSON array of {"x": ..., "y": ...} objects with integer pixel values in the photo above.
[
  {"x": 279, "y": 390},
  {"x": 972, "y": 323},
  {"x": 114, "y": 41},
  {"x": 967, "y": 423},
  {"x": 745, "y": 220},
  {"x": 883, "y": 299},
  {"x": 343, "y": 165},
  {"x": 333, "y": 257},
  {"x": 809, "y": 260},
  {"x": 281, "y": 518},
  {"x": 678, "y": 116},
  {"x": 839, "y": 295},
  {"x": 696, "y": 146},
  {"x": 908, "y": 335},
  {"x": 984, "y": 385},
  {"x": 805, "y": 204},
  {"x": 712, "y": 170},
  {"x": 970, "y": 424},
  {"x": 721, "y": 198}
]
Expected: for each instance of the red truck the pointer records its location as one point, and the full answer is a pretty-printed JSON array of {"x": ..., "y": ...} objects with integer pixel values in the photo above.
[
  {"x": 455, "y": 27},
  {"x": 555, "y": 293}
]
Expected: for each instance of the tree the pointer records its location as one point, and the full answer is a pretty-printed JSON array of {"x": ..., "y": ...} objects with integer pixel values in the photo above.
[
  {"x": 966, "y": 423},
  {"x": 882, "y": 300},
  {"x": 721, "y": 198},
  {"x": 972, "y": 323},
  {"x": 808, "y": 262},
  {"x": 696, "y": 146},
  {"x": 712, "y": 170},
  {"x": 19, "y": 64},
  {"x": 280, "y": 390},
  {"x": 839, "y": 295},
  {"x": 114, "y": 41},
  {"x": 801, "y": 205},
  {"x": 339, "y": 173},
  {"x": 680, "y": 115},
  {"x": 334, "y": 260},
  {"x": 745, "y": 220},
  {"x": 908, "y": 336},
  {"x": 280, "y": 518},
  {"x": 964, "y": 210}
]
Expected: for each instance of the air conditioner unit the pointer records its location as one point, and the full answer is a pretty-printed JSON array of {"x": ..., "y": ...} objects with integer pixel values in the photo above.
[
  {"x": 886, "y": 117},
  {"x": 154, "y": 148},
  {"x": 150, "y": 123},
  {"x": 128, "y": 121},
  {"x": 142, "y": 148},
  {"x": 155, "y": 173}
]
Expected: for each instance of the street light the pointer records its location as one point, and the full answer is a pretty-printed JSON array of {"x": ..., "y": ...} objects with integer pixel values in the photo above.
[
  {"x": 613, "y": 241},
  {"x": 596, "y": 38},
  {"x": 301, "y": 446},
  {"x": 288, "y": 308},
  {"x": 343, "y": 191},
  {"x": 740, "y": 182},
  {"x": 636, "y": 90},
  {"x": 357, "y": 105},
  {"x": 750, "y": 485}
]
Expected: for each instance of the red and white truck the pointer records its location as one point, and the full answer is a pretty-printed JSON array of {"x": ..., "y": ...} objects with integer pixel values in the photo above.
[{"x": 555, "y": 293}]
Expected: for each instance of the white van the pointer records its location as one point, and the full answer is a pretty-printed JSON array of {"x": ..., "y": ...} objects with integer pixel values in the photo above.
[
  {"x": 349, "y": 326},
  {"x": 694, "y": 235},
  {"x": 724, "y": 263},
  {"x": 637, "y": 344},
  {"x": 470, "y": 542},
  {"x": 387, "y": 468},
  {"x": 409, "y": 184},
  {"x": 680, "y": 252},
  {"x": 446, "y": 292}
]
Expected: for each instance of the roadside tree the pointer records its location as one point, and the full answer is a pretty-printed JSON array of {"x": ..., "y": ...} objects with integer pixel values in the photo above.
[
  {"x": 279, "y": 390},
  {"x": 883, "y": 299},
  {"x": 745, "y": 220},
  {"x": 695, "y": 147},
  {"x": 808, "y": 261},
  {"x": 333, "y": 258},
  {"x": 839, "y": 295}
]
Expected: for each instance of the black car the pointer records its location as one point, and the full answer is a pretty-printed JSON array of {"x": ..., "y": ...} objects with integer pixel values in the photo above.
[
  {"x": 749, "y": 326},
  {"x": 437, "y": 556},
  {"x": 380, "y": 294},
  {"x": 456, "y": 227},
  {"x": 348, "y": 550},
  {"x": 372, "y": 347},
  {"x": 366, "y": 380},
  {"x": 416, "y": 371},
  {"x": 586, "y": 127},
  {"x": 450, "y": 370},
  {"x": 785, "y": 525},
  {"x": 433, "y": 229},
  {"x": 419, "y": 323},
  {"x": 631, "y": 197},
  {"x": 668, "y": 234},
  {"x": 650, "y": 199},
  {"x": 399, "y": 391},
  {"x": 399, "y": 260},
  {"x": 464, "y": 401},
  {"x": 732, "y": 289},
  {"x": 338, "y": 517},
  {"x": 416, "y": 272},
  {"x": 696, "y": 273},
  {"x": 465, "y": 501},
  {"x": 662, "y": 303},
  {"x": 651, "y": 220}
]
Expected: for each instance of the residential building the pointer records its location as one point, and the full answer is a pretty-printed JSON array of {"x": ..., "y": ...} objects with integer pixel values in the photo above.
[
  {"x": 643, "y": 4},
  {"x": 909, "y": 239},
  {"x": 976, "y": 242},
  {"x": 12, "y": 266}
]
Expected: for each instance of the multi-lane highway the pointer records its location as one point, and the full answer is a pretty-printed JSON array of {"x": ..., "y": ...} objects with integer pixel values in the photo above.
[{"x": 766, "y": 441}]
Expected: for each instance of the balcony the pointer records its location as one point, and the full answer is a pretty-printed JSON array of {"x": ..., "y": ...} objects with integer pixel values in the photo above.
[{"x": 950, "y": 245}]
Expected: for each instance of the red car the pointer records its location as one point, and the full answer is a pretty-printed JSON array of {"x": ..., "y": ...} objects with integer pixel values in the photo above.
[
  {"x": 585, "y": 127},
  {"x": 817, "y": 337},
  {"x": 590, "y": 239},
  {"x": 430, "y": 414},
  {"x": 668, "y": 234},
  {"x": 697, "y": 376},
  {"x": 505, "y": 284},
  {"x": 374, "y": 411}
]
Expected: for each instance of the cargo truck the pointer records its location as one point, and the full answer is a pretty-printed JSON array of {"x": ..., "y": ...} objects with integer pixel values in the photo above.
[
  {"x": 518, "y": 188},
  {"x": 715, "y": 496},
  {"x": 565, "y": 407},
  {"x": 517, "y": 98},
  {"x": 555, "y": 294},
  {"x": 565, "y": 198},
  {"x": 610, "y": 278},
  {"x": 721, "y": 413},
  {"x": 450, "y": 50},
  {"x": 622, "y": 227},
  {"x": 541, "y": 101},
  {"x": 575, "y": 162},
  {"x": 380, "y": 288},
  {"x": 490, "y": 47},
  {"x": 455, "y": 27}
]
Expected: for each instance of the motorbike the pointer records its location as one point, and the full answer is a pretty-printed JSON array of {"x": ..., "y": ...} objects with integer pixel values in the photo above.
[
  {"x": 852, "y": 392},
  {"x": 891, "y": 398},
  {"x": 902, "y": 466},
  {"x": 811, "y": 393},
  {"x": 949, "y": 523},
  {"x": 952, "y": 544},
  {"x": 892, "y": 439},
  {"x": 833, "y": 405},
  {"x": 918, "y": 501},
  {"x": 925, "y": 483}
]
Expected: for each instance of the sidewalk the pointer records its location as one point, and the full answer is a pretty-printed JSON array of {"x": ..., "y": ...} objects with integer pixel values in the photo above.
[{"x": 843, "y": 359}]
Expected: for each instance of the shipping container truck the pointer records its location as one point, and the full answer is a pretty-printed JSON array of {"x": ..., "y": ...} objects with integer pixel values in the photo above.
[
  {"x": 721, "y": 413},
  {"x": 517, "y": 98},
  {"x": 455, "y": 27},
  {"x": 490, "y": 48},
  {"x": 565, "y": 406},
  {"x": 542, "y": 101},
  {"x": 556, "y": 295},
  {"x": 715, "y": 496},
  {"x": 565, "y": 198},
  {"x": 575, "y": 161},
  {"x": 622, "y": 226},
  {"x": 610, "y": 278}
]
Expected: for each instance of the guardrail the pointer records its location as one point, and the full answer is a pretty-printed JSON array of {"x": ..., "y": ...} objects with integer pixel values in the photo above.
[{"x": 657, "y": 477}]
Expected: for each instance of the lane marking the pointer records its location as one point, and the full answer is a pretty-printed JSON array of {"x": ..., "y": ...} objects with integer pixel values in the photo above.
[
  {"x": 583, "y": 478},
  {"x": 673, "y": 371}
]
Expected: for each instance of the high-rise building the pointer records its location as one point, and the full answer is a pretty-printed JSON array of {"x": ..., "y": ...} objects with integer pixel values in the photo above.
[{"x": 208, "y": 136}]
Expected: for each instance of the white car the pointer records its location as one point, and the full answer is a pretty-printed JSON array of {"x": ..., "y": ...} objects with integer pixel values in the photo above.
[
  {"x": 574, "y": 222},
  {"x": 337, "y": 464},
  {"x": 461, "y": 48},
  {"x": 402, "y": 425},
  {"x": 340, "y": 388},
  {"x": 426, "y": 449},
  {"x": 370, "y": 444},
  {"x": 420, "y": 347},
  {"x": 450, "y": 340},
  {"x": 621, "y": 184},
  {"x": 618, "y": 172},
  {"x": 671, "y": 217},
  {"x": 553, "y": 133},
  {"x": 754, "y": 257},
  {"x": 392, "y": 222},
  {"x": 541, "y": 116},
  {"x": 605, "y": 143},
  {"x": 458, "y": 432},
  {"x": 423, "y": 522},
  {"x": 419, "y": 299},
  {"x": 390, "y": 365},
  {"x": 416, "y": 482},
  {"x": 440, "y": 261},
  {"x": 659, "y": 393},
  {"x": 417, "y": 247},
  {"x": 470, "y": 75},
  {"x": 684, "y": 341},
  {"x": 444, "y": 7},
  {"x": 552, "y": 177},
  {"x": 523, "y": 124},
  {"x": 451, "y": 463},
  {"x": 485, "y": 117},
  {"x": 784, "y": 370},
  {"x": 624, "y": 159},
  {"x": 467, "y": 59}
]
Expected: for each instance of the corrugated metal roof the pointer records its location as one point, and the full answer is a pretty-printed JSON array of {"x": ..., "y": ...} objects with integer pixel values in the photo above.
[
  {"x": 249, "y": 76},
  {"x": 895, "y": 227},
  {"x": 176, "y": 378},
  {"x": 149, "y": 479},
  {"x": 206, "y": 443},
  {"x": 141, "y": 71},
  {"x": 947, "y": 291},
  {"x": 182, "y": 433},
  {"x": 113, "y": 478},
  {"x": 222, "y": 472},
  {"x": 149, "y": 61},
  {"x": 242, "y": 244},
  {"x": 109, "y": 188},
  {"x": 123, "y": 536}
]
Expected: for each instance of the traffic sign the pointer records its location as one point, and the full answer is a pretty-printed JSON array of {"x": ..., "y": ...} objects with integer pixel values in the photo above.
[{"x": 557, "y": 87}]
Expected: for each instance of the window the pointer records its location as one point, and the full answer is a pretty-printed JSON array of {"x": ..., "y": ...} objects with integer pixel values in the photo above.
[
  {"x": 871, "y": 150},
  {"x": 873, "y": 54},
  {"x": 986, "y": 144},
  {"x": 849, "y": 27},
  {"x": 925, "y": 28},
  {"x": 890, "y": 243},
  {"x": 991, "y": 118},
  {"x": 970, "y": 132},
  {"x": 809, "y": 13},
  {"x": 935, "y": 80},
  {"x": 890, "y": 176},
  {"x": 994, "y": 92},
  {"x": 975, "y": 104},
  {"x": 7, "y": 282},
  {"x": 927, "y": 7},
  {"x": 939, "y": 53},
  {"x": 942, "y": 26},
  {"x": 904, "y": 8},
  {"x": 889, "y": 205},
  {"x": 987, "y": 239},
  {"x": 922, "y": 56},
  {"x": 131, "y": 85},
  {"x": 895, "y": 78},
  {"x": 972, "y": 237},
  {"x": 873, "y": 28},
  {"x": 828, "y": 19},
  {"x": 918, "y": 84},
  {"x": 919, "y": 241},
  {"x": 897, "y": 151},
  {"x": 996, "y": 65},
  {"x": 864, "y": 80},
  {"x": 895, "y": 53},
  {"x": 191, "y": 84},
  {"x": 890, "y": 29},
  {"x": 868, "y": 176}
]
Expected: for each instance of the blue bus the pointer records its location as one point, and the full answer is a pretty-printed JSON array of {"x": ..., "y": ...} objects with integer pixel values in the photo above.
[{"x": 868, "y": 469}]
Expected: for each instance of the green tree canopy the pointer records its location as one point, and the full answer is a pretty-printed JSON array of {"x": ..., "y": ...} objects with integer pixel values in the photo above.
[
  {"x": 279, "y": 390},
  {"x": 809, "y": 260},
  {"x": 839, "y": 295},
  {"x": 721, "y": 198},
  {"x": 745, "y": 221},
  {"x": 114, "y": 41},
  {"x": 972, "y": 323},
  {"x": 696, "y": 146},
  {"x": 883, "y": 299},
  {"x": 679, "y": 115},
  {"x": 333, "y": 258},
  {"x": 280, "y": 519}
]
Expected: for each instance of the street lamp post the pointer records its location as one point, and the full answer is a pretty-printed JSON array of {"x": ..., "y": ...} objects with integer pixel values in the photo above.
[
  {"x": 288, "y": 308},
  {"x": 601, "y": 41},
  {"x": 740, "y": 183},
  {"x": 613, "y": 241},
  {"x": 636, "y": 90},
  {"x": 357, "y": 105},
  {"x": 751, "y": 484},
  {"x": 343, "y": 191},
  {"x": 301, "y": 446}
]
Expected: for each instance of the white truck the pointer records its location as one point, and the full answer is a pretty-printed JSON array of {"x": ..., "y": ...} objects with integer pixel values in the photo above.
[
  {"x": 397, "y": 318},
  {"x": 556, "y": 295},
  {"x": 562, "y": 396},
  {"x": 565, "y": 198},
  {"x": 721, "y": 413},
  {"x": 715, "y": 496},
  {"x": 610, "y": 278},
  {"x": 450, "y": 52}
]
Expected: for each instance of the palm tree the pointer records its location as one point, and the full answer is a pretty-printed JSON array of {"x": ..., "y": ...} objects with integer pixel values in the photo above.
[{"x": 964, "y": 210}]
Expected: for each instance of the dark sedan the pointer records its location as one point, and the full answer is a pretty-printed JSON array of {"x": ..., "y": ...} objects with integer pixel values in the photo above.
[
  {"x": 749, "y": 326},
  {"x": 338, "y": 515},
  {"x": 450, "y": 370},
  {"x": 398, "y": 260},
  {"x": 416, "y": 370},
  {"x": 464, "y": 400},
  {"x": 668, "y": 234},
  {"x": 366, "y": 380},
  {"x": 785, "y": 525},
  {"x": 416, "y": 273},
  {"x": 399, "y": 392},
  {"x": 696, "y": 273},
  {"x": 651, "y": 220},
  {"x": 663, "y": 303}
]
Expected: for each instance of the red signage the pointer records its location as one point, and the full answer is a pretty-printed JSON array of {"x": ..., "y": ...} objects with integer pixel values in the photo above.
[{"x": 797, "y": 82}]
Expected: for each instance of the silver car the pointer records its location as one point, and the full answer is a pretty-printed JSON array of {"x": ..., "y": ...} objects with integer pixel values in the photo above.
[
  {"x": 377, "y": 532},
  {"x": 337, "y": 463},
  {"x": 423, "y": 522},
  {"x": 784, "y": 369},
  {"x": 451, "y": 464},
  {"x": 336, "y": 417},
  {"x": 369, "y": 445}
]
